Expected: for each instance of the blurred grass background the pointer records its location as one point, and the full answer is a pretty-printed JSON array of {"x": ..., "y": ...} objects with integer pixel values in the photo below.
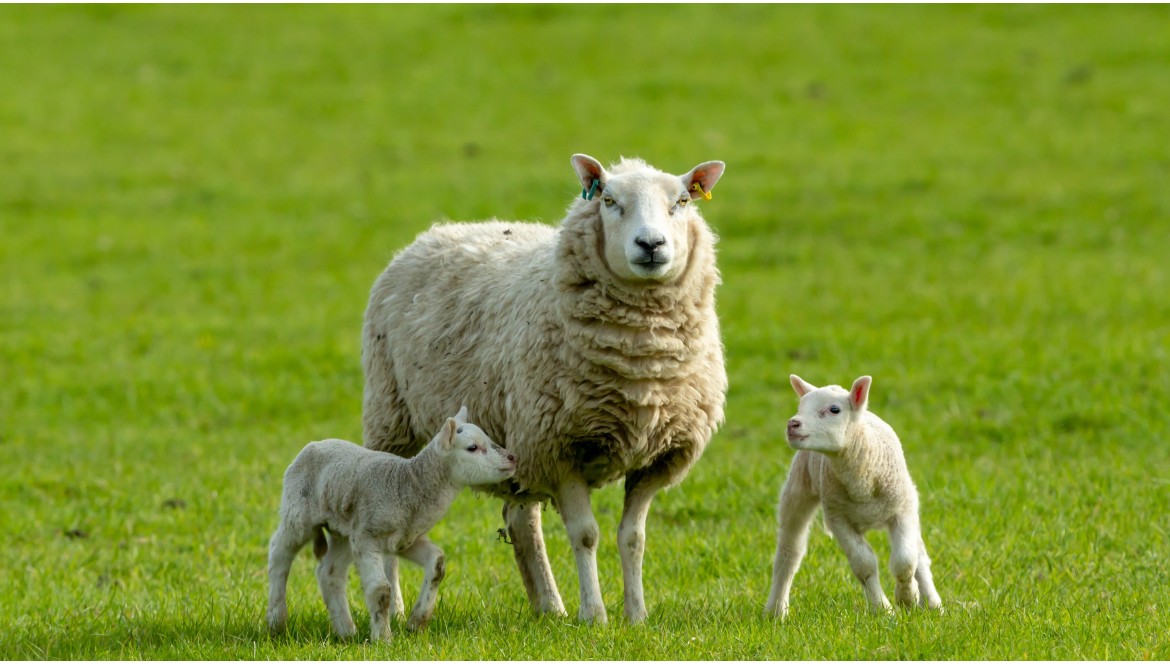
[{"x": 967, "y": 202}]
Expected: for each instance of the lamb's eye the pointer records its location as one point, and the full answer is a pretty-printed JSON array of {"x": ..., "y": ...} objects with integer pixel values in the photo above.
[
  {"x": 834, "y": 409},
  {"x": 472, "y": 448},
  {"x": 683, "y": 201},
  {"x": 609, "y": 202}
]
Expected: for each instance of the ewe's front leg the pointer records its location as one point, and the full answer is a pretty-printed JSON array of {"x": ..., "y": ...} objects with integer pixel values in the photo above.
[
  {"x": 641, "y": 488},
  {"x": 430, "y": 557},
  {"x": 332, "y": 574},
  {"x": 371, "y": 569},
  {"x": 524, "y": 529},
  {"x": 797, "y": 507},
  {"x": 862, "y": 560},
  {"x": 576, "y": 512}
]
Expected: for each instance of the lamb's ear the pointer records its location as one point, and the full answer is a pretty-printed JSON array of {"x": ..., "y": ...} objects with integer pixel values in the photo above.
[
  {"x": 589, "y": 171},
  {"x": 702, "y": 178},
  {"x": 447, "y": 435},
  {"x": 802, "y": 388},
  {"x": 859, "y": 393},
  {"x": 461, "y": 416}
]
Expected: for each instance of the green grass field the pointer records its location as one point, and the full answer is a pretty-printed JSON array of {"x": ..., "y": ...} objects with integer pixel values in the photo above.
[{"x": 972, "y": 204}]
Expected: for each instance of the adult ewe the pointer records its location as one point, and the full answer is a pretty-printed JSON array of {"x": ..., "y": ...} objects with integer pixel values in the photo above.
[{"x": 590, "y": 351}]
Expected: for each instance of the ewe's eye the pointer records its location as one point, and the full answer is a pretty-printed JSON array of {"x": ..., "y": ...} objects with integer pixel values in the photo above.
[
  {"x": 834, "y": 409},
  {"x": 682, "y": 202},
  {"x": 609, "y": 202},
  {"x": 472, "y": 448}
]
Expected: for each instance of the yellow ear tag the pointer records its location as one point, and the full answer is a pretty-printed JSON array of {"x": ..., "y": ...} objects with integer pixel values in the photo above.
[{"x": 699, "y": 188}]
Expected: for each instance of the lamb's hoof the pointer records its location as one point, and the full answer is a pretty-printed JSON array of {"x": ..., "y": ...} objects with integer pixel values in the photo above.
[
  {"x": 636, "y": 617},
  {"x": 345, "y": 632},
  {"x": 550, "y": 607},
  {"x": 777, "y": 612},
  {"x": 592, "y": 615},
  {"x": 417, "y": 623}
]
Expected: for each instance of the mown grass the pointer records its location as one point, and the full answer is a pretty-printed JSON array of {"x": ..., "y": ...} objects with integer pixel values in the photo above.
[{"x": 968, "y": 203}]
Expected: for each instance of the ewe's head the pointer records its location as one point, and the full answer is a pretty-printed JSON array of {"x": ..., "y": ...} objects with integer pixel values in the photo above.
[
  {"x": 646, "y": 214},
  {"x": 475, "y": 459},
  {"x": 825, "y": 413}
]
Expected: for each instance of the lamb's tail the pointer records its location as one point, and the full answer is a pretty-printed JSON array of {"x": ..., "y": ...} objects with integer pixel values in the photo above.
[{"x": 320, "y": 544}]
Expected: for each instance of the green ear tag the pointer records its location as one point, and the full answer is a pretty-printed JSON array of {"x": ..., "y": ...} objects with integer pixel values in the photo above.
[{"x": 588, "y": 195}]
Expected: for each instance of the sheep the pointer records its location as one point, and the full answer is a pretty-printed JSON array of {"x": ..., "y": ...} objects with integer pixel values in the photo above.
[
  {"x": 374, "y": 504},
  {"x": 850, "y": 463},
  {"x": 591, "y": 350}
]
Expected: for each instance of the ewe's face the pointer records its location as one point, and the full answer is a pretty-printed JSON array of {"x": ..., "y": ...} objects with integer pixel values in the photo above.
[
  {"x": 824, "y": 414},
  {"x": 646, "y": 215},
  {"x": 647, "y": 220},
  {"x": 477, "y": 459}
]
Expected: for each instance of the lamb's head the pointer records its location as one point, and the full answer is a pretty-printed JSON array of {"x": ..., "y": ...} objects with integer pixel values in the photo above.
[
  {"x": 474, "y": 458},
  {"x": 646, "y": 214},
  {"x": 825, "y": 414}
]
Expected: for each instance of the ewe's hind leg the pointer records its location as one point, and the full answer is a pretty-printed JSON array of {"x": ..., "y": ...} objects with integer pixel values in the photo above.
[
  {"x": 385, "y": 419},
  {"x": 929, "y": 596},
  {"x": 523, "y": 521},
  {"x": 397, "y": 607},
  {"x": 862, "y": 560},
  {"x": 282, "y": 549},
  {"x": 371, "y": 568},
  {"x": 641, "y": 487},
  {"x": 797, "y": 506},
  {"x": 904, "y": 547},
  {"x": 430, "y": 558},
  {"x": 577, "y": 513},
  {"x": 332, "y": 575}
]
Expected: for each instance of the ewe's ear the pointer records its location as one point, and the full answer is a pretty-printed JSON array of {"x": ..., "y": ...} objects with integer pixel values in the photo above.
[
  {"x": 589, "y": 170},
  {"x": 461, "y": 416},
  {"x": 802, "y": 388},
  {"x": 702, "y": 178},
  {"x": 859, "y": 393},
  {"x": 447, "y": 435}
]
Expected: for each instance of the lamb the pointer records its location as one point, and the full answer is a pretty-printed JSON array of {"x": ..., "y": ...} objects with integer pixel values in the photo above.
[
  {"x": 850, "y": 462},
  {"x": 374, "y": 504},
  {"x": 591, "y": 350}
]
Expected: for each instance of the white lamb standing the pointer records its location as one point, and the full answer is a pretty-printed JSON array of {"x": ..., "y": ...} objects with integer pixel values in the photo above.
[
  {"x": 591, "y": 351},
  {"x": 375, "y": 506},
  {"x": 850, "y": 463}
]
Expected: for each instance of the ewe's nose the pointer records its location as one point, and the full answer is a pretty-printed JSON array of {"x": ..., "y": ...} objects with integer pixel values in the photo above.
[
  {"x": 793, "y": 424},
  {"x": 650, "y": 242},
  {"x": 510, "y": 457}
]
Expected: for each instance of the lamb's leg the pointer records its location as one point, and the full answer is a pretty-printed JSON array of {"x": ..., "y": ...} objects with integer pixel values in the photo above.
[
  {"x": 573, "y": 502},
  {"x": 397, "y": 606},
  {"x": 641, "y": 487},
  {"x": 282, "y": 549},
  {"x": 371, "y": 569},
  {"x": 797, "y": 506},
  {"x": 862, "y": 560},
  {"x": 929, "y": 596},
  {"x": 332, "y": 575},
  {"x": 430, "y": 558},
  {"x": 524, "y": 529},
  {"x": 905, "y": 540}
]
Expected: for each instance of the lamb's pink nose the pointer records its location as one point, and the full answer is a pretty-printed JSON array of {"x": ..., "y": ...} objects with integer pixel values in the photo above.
[{"x": 793, "y": 424}]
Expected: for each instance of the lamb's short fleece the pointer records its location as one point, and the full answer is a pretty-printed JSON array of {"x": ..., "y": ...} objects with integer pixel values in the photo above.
[{"x": 376, "y": 506}]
